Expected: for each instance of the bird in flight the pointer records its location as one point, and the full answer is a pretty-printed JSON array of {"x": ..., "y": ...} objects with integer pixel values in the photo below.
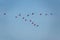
[
  {"x": 32, "y": 13},
  {"x": 4, "y": 13}
]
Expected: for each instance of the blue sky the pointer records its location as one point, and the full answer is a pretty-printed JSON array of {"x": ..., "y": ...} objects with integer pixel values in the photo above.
[{"x": 12, "y": 28}]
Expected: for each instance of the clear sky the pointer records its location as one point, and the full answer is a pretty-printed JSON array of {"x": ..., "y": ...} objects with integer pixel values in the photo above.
[{"x": 12, "y": 28}]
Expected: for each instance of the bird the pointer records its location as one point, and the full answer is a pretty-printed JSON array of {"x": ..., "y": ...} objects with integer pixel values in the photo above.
[
  {"x": 34, "y": 24},
  {"x": 40, "y": 14},
  {"x": 46, "y": 14},
  {"x": 23, "y": 17},
  {"x": 30, "y": 20},
  {"x": 4, "y": 13},
  {"x": 19, "y": 14},
  {"x": 28, "y": 15},
  {"x": 51, "y": 13},
  {"x": 32, "y": 13},
  {"x": 37, "y": 25},
  {"x": 16, "y": 17}
]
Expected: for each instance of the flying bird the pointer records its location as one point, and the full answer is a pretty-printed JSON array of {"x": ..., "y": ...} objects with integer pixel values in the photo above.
[
  {"x": 4, "y": 13},
  {"x": 16, "y": 17},
  {"x": 32, "y": 13},
  {"x": 28, "y": 15},
  {"x": 19, "y": 14}
]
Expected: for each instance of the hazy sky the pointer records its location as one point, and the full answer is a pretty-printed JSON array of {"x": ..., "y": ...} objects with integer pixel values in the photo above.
[{"x": 12, "y": 28}]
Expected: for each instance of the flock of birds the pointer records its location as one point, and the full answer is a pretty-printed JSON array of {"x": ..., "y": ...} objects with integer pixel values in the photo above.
[
  {"x": 34, "y": 24},
  {"x": 30, "y": 19}
]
